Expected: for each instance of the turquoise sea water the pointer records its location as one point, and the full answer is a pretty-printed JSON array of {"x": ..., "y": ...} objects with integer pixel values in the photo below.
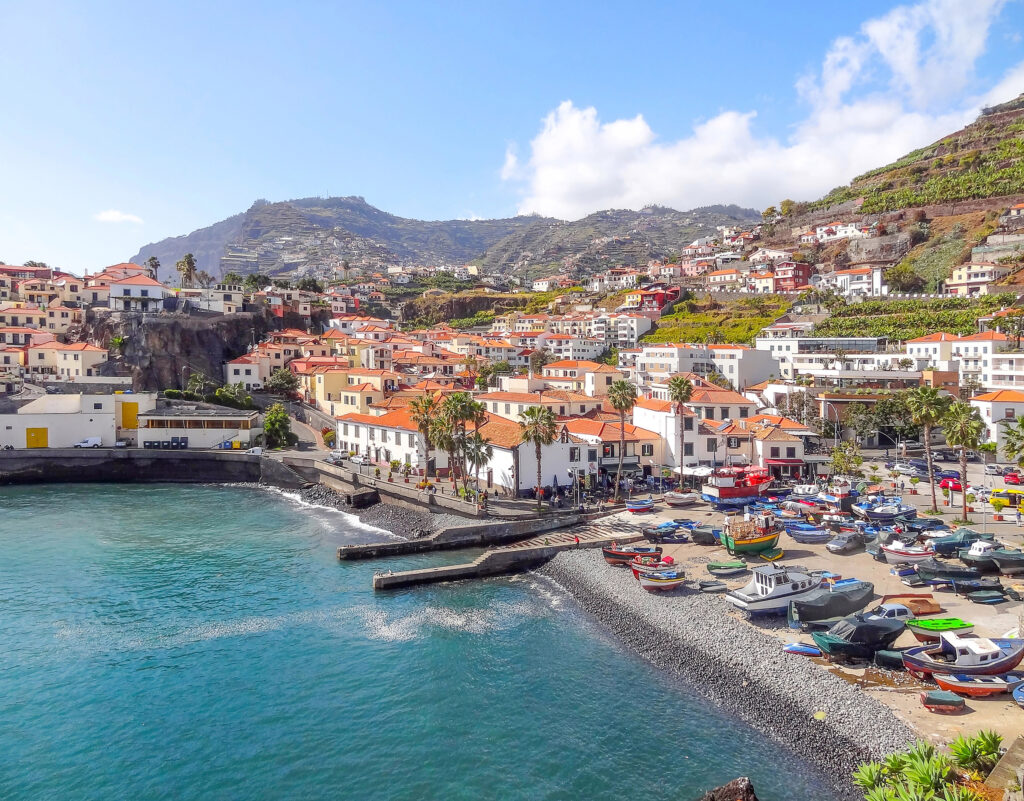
[{"x": 196, "y": 642}]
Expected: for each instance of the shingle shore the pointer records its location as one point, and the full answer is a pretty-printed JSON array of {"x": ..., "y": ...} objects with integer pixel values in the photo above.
[{"x": 737, "y": 667}]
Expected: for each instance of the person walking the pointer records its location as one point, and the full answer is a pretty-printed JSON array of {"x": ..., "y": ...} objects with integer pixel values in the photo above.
[{"x": 1018, "y": 515}]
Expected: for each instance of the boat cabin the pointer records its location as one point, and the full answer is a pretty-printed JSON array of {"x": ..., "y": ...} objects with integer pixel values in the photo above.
[
  {"x": 981, "y": 548},
  {"x": 971, "y": 651},
  {"x": 770, "y": 579}
]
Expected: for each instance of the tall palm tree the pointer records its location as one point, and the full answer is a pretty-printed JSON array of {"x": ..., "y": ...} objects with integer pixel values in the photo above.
[
  {"x": 963, "y": 427},
  {"x": 422, "y": 410},
  {"x": 1013, "y": 440},
  {"x": 187, "y": 268},
  {"x": 537, "y": 425},
  {"x": 680, "y": 390},
  {"x": 478, "y": 454},
  {"x": 444, "y": 433},
  {"x": 927, "y": 406},
  {"x": 622, "y": 397}
]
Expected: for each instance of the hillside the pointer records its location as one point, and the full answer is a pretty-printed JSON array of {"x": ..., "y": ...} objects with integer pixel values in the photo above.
[
  {"x": 982, "y": 160},
  {"x": 606, "y": 239},
  {"x": 909, "y": 319},
  {"x": 708, "y": 320},
  {"x": 318, "y": 235}
]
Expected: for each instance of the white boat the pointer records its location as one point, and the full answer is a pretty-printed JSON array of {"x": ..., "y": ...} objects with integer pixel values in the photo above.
[
  {"x": 772, "y": 588},
  {"x": 682, "y": 498},
  {"x": 805, "y": 491},
  {"x": 898, "y": 553}
]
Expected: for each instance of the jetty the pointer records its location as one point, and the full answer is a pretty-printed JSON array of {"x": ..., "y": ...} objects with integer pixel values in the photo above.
[{"x": 517, "y": 556}]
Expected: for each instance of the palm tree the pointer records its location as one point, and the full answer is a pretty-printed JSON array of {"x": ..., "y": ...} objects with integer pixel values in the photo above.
[
  {"x": 927, "y": 406},
  {"x": 460, "y": 409},
  {"x": 443, "y": 434},
  {"x": 186, "y": 267},
  {"x": 537, "y": 425},
  {"x": 963, "y": 426},
  {"x": 422, "y": 410},
  {"x": 154, "y": 264},
  {"x": 622, "y": 397},
  {"x": 1013, "y": 440},
  {"x": 478, "y": 454},
  {"x": 680, "y": 390}
]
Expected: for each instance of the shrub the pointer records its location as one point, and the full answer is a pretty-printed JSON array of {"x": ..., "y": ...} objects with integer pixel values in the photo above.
[{"x": 174, "y": 394}]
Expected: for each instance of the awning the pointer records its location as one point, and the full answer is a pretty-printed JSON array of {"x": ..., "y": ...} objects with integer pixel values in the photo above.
[
  {"x": 783, "y": 461},
  {"x": 697, "y": 471}
]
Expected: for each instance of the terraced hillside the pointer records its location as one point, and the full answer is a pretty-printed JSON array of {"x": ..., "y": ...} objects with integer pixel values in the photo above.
[
  {"x": 983, "y": 160},
  {"x": 908, "y": 319}
]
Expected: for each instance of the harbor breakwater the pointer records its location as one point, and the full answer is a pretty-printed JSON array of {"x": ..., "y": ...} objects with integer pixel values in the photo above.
[{"x": 817, "y": 715}]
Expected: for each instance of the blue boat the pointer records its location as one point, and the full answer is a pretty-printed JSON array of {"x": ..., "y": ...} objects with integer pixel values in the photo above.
[
  {"x": 1018, "y": 695},
  {"x": 645, "y": 505},
  {"x": 800, "y": 648}
]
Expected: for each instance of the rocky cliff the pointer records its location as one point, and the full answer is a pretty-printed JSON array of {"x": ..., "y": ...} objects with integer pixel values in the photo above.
[
  {"x": 434, "y": 309},
  {"x": 160, "y": 352}
]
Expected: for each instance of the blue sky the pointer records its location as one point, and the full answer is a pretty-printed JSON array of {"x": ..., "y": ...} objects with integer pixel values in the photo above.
[{"x": 126, "y": 123}]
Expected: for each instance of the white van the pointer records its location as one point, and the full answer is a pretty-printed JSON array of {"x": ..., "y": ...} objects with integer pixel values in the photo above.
[{"x": 89, "y": 442}]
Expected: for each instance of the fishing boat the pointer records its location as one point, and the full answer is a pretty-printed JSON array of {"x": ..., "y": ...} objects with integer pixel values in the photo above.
[
  {"x": 942, "y": 701},
  {"x": 933, "y": 571},
  {"x": 624, "y": 554},
  {"x": 755, "y": 535},
  {"x": 975, "y": 656},
  {"x": 987, "y": 597},
  {"x": 1010, "y": 563},
  {"x": 801, "y": 649},
  {"x": 858, "y": 637},
  {"x": 1018, "y": 695},
  {"x": 805, "y": 491},
  {"x": 829, "y": 601},
  {"x": 952, "y": 543},
  {"x": 886, "y": 512},
  {"x": 772, "y": 588},
  {"x": 736, "y": 485},
  {"x": 705, "y": 535},
  {"x": 650, "y": 564},
  {"x": 640, "y": 505},
  {"x": 897, "y": 553},
  {"x": 964, "y": 586},
  {"x": 807, "y": 534},
  {"x": 661, "y": 580},
  {"x": 978, "y": 686},
  {"x": 929, "y": 630},
  {"x": 890, "y": 660},
  {"x": 980, "y": 555},
  {"x": 712, "y": 586},
  {"x": 726, "y": 568},
  {"x": 676, "y": 499}
]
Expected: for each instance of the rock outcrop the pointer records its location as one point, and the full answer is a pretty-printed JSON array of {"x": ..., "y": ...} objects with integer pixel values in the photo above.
[{"x": 737, "y": 790}]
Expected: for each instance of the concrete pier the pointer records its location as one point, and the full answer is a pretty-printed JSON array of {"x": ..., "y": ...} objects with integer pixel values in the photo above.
[{"x": 515, "y": 557}]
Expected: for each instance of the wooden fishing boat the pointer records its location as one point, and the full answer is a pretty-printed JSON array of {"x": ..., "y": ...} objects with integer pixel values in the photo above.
[
  {"x": 661, "y": 580},
  {"x": 975, "y": 585},
  {"x": 736, "y": 485},
  {"x": 986, "y": 597},
  {"x": 678, "y": 499},
  {"x": 978, "y": 686},
  {"x": 726, "y": 568},
  {"x": 897, "y": 553},
  {"x": 712, "y": 586},
  {"x": 932, "y": 571},
  {"x": 650, "y": 564},
  {"x": 974, "y": 656},
  {"x": 943, "y": 702},
  {"x": 930, "y": 630},
  {"x": 1018, "y": 695},
  {"x": 641, "y": 505},
  {"x": 750, "y": 536},
  {"x": 980, "y": 555},
  {"x": 624, "y": 554},
  {"x": 807, "y": 534}
]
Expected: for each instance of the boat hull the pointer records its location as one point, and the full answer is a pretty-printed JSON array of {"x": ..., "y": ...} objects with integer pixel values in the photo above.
[
  {"x": 978, "y": 686},
  {"x": 765, "y": 542},
  {"x": 616, "y": 556},
  {"x": 655, "y": 582},
  {"x": 919, "y": 662}
]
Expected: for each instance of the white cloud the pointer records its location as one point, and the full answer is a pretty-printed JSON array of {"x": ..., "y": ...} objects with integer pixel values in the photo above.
[
  {"x": 872, "y": 100},
  {"x": 115, "y": 216}
]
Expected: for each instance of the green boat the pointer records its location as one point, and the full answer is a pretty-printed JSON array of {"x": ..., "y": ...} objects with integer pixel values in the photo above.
[
  {"x": 726, "y": 568},
  {"x": 929, "y": 630},
  {"x": 750, "y": 536}
]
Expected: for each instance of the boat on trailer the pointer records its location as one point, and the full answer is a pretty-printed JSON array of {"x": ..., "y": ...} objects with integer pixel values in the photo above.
[{"x": 974, "y": 656}]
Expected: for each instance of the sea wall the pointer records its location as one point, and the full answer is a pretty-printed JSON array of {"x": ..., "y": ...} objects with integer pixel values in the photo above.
[
  {"x": 822, "y": 718},
  {"x": 134, "y": 465}
]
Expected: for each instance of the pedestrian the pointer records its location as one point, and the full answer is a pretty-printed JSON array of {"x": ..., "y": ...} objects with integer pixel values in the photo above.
[
  {"x": 1018, "y": 515},
  {"x": 576, "y": 539}
]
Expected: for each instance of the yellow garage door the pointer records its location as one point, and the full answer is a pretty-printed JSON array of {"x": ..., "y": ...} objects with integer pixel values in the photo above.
[
  {"x": 130, "y": 415},
  {"x": 37, "y": 437}
]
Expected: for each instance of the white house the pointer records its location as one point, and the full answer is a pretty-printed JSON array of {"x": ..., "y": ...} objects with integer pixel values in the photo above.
[
  {"x": 59, "y": 421},
  {"x": 998, "y": 408},
  {"x": 138, "y": 293}
]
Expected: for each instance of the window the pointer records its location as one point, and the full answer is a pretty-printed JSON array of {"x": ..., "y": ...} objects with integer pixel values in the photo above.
[
  {"x": 646, "y": 449},
  {"x": 412, "y": 440},
  {"x": 687, "y": 424},
  {"x": 608, "y": 381},
  {"x": 732, "y": 442},
  {"x": 688, "y": 449},
  {"x": 508, "y": 408},
  {"x": 574, "y": 454},
  {"x": 744, "y": 411},
  {"x": 790, "y": 453},
  {"x": 592, "y": 454},
  {"x": 712, "y": 444},
  {"x": 144, "y": 293},
  {"x": 97, "y": 406},
  {"x": 774, "y": 453},
  {"x": 344, "y": 429},
  {"x": 607, "y": 451}
]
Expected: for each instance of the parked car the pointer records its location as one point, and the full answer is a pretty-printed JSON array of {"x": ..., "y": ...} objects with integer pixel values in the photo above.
[
  {"x": 947, "y": 474},
  {"x": 945, "y": 455},
  {"x": 890, "y": 612},
  {"x": 358, "y": 459},
  {"x": 904, "y": 468},
  {"x": 845, "y": 542},
  {"x": 952, "y": 484},
  {"x": 1012, "y": 478},
  {"x": 89, "y": 442},
  {"x": 997, "y": 469}
]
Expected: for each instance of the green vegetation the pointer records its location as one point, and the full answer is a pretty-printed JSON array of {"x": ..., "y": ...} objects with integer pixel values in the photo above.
[
  {"x": 923, "y": 774},
  {"x": 277, "y": 427},
  {"x": 485, "y": 317},
  {"x": 983, "y": 160},
  {"x": 282, "y": 381},
  {"x": 734, "y": 321},
  {"x": 909, "y": 319},
  {"x": 939, "y": 247}
]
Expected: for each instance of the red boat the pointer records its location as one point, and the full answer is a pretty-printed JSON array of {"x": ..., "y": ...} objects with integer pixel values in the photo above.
[
  {"x": 736, "y": 485},
  {"x": 649, "y": 564},
  {"x": 622, "y": 555}
]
